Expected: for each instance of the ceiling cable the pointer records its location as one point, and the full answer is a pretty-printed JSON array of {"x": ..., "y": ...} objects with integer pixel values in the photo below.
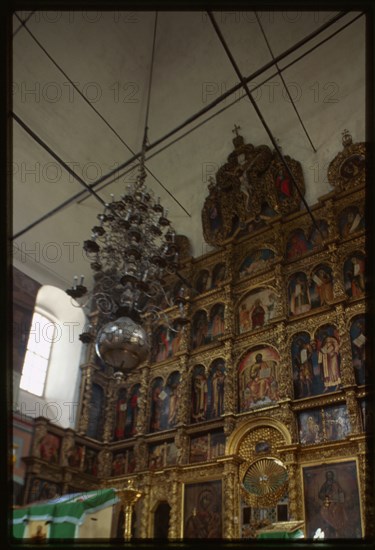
[
  {"x": 23, "y": 22},
  {"x": 216, "y": 113},
  {"x": 283, "y": 81},
  {"x": 261, "y": 118},
  {"x": 223, "y": 97},
  {"x": 63, "y": 164},
  {"x": 116, "y": 172},
  {"x": 74, "y": 85},
  {"x": 151, "y": 72}
]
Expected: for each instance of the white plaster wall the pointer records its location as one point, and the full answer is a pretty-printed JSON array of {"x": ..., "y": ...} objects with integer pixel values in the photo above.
[{"x": 59, "y": 402}]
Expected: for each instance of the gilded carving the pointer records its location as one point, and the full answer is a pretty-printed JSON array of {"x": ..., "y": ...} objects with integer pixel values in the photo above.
[
  {"x": 145, "y": 510},
  {"x": 143, "y": 402},
  {"x": 287, "y": 417},
  {"x": 293, "y": 493},
  {"x": 338, "y": 283},
  {"x": 159, "y": 491},
  {"x": 86, "y": 398},
  {"x": 348, "y": 167},
  {"x": 347, "y": 372},
  {"x": 175, "y": 499},
  {"x": 67, "y": 447},
  {"x": 39, "y": 433},
  {"x": 104, "y": 463},
  {"x": 229, "y": 425},
  {"x": 230, "y": 471},
  {"x": 353, "y": 411},
  {"x": 141, "y": 454},
  {"x": 184, "y": 402},
  {"x": 320, "y": 452},
  {"x": 256, "y": 253},
  {"x": 109, "y": 411},
  {"x": 253, "y": 186},
  {"x": 182, "y": 444}
]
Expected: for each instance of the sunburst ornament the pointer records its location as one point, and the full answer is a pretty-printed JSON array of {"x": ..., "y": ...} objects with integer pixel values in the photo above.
[{"x": 265, "y": 481}]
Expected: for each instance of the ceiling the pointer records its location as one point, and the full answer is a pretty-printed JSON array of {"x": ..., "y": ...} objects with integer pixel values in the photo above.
[{"x": 107, "y": 56}]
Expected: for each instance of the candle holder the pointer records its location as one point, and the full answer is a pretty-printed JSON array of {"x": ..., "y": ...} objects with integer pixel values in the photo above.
[{"x": 128, "y": 495}]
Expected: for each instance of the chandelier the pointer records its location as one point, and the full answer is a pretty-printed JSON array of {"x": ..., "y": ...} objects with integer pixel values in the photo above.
[{"x": 131, "y": 250}]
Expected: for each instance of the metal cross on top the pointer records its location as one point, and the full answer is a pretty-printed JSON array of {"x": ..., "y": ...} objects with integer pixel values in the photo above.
[{"x": 235, "y": 129}]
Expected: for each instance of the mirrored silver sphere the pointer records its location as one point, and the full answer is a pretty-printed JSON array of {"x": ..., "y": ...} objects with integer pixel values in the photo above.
[{"x": 122, "y": 344}]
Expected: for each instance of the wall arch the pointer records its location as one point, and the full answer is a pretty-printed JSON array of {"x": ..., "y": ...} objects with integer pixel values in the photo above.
[
  {"x": 235, "y": 439},
  {"x": 63, "y": 376}
]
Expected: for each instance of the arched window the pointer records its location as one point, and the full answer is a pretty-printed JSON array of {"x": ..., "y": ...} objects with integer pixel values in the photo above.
[
  {"x": 50, "y": 380},
  {"x": 38, "y": 352}
]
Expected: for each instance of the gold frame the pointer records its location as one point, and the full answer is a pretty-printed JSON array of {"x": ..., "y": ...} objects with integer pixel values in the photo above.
[
  {"x": 307, "y": 464},
  {"x": 194, "y": 482}
]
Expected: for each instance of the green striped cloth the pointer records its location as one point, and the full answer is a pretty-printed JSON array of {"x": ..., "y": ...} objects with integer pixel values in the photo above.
[{"x": 65, "y": 513}]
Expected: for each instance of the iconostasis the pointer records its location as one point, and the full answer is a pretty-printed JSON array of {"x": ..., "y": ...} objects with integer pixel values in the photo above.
[{"x": 256, "y": 411}]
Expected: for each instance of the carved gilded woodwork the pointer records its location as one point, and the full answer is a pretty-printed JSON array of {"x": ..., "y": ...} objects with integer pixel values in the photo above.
[
  {"x": 294, "y": 492},
  {"x": 348, "y": 167},
  {"x": 145, "y": 484},
  {"x": 251, "y": 441},
  {"x": 40, "y": 430},
  {"x": 67, "y": 446},
  {"x": 104, "y": 463},
  {"x": 243, "y": 441},
  {"x": 112, "y": 391},
  {"x": 175, "y": 499},
  {"x": 230, "y": 479},
  {"x": 252, "y": 178},
  {"x": 319, "y": 401},
  {"x": 229, "y": 382},
  {"x": 143, "y": 402},
  {"x": 262, "y": 279},
  {"x": 286, "y": 416},
  {"x": 229, "y": 424},
  {"x": 271, "y": 431},
  {"x": 346, "y": 366},
  {"x": 208, "y": 263},
  {"x": 182, "y": 444},
  {"x": 264, "y": 482},
  {"x": 349, "y": 248},
  {"x": 353, "y": 411},
  {"x": 256, "y": 257},
  {"x": 141, "y": 453},
  {"x": 285, "y": 378},
  {"x": 328, "y": 213},
  {"x": 86, "y": 398}
]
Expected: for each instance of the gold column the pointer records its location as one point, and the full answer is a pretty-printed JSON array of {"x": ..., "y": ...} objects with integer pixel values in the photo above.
[
  {"x": 129, "y": 495},
  {"x": 109, "y": 410},
  {"x": 365, "y": 467},
  {"x": 288, "y": 455},
  {"x": 67, "y": 446},
  {"x": 40, "y": 430},
  {"x": 143, "y": 405},
  {"x": 338, "y": 282},
  {"x": 285, "y": 378},
  {"x": 175, "y": 517},
  {"x": 145, "y": 483},
  {"x": 346, "y": 366},
  {"x": 86, "y": 393},
  {"x": 230, "y": 379},
  {"x": 183, "y": 410},
  {"x": 353, "y": 411},
  {"x": 231, "y": 507}
]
